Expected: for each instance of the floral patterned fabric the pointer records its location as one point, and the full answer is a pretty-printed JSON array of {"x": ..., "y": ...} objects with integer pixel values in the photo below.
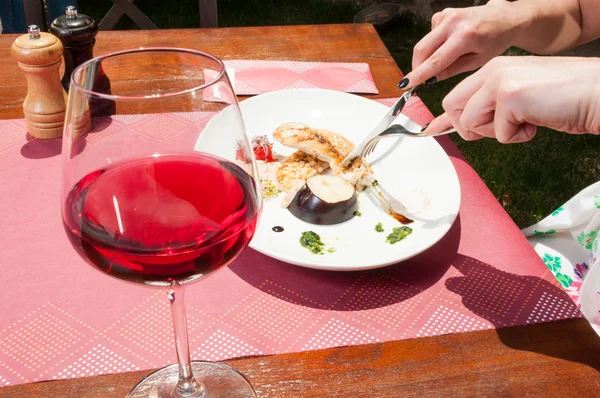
[{"x": 568, "y": 241}]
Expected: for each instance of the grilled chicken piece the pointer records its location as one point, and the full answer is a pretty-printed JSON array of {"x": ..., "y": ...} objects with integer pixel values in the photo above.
[
  {"x": 299, "y": 166},
  {"x": 323, "y": 144},
  {"x": 358, "y": 172},
  {"x": 326, "y": 146},
  {"x": 294, "y": 172}
]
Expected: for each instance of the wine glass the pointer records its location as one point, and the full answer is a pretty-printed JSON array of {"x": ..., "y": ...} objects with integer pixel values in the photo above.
[{"x": 160, "y": 187}]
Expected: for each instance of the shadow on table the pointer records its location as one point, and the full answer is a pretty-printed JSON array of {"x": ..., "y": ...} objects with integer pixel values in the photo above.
[
  {"x": 41, "y": 149},
  {"x": 507, "y": 299},
  {"x": 350, "y": 291},
  {"x": 36, "y": 148}
]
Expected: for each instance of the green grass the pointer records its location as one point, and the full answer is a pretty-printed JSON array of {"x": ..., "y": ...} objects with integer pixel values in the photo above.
[
  {"x": 530, "y": 180},
  {"x": 185, "y": 14}
]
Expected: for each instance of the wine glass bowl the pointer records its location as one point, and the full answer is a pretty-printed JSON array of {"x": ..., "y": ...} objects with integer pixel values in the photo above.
[{"x": 148, "y": 197}]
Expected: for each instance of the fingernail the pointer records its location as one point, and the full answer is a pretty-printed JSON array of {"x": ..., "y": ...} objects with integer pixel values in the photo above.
[
  {"x": 403, "y": 83},
  {"x": 425, "y": 127},
  {"x": 430, "y": 82}
]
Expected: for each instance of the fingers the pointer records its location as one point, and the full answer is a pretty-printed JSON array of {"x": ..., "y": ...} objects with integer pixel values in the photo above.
[
  {"x": 490, "y": 103},
  {"x": 464, "y": 63},
  {"x": 428, "y": 45},
  {"x": 481, "y": 118},
  {"x": 439, "y": 124},
  {"x": 441, "y": 58},
  {"x": 436, "y": 19},
  {"x": 469, "y": 135},
  {"x": 466, "y": 134},
  {"x": 516, "y": 133},
  {"x": 439, "y": 17},
  {"x": 479, "y": 112},
  {"x": 457, "y": 100},
  {"x": 508, "y": 129},
  {"x": 443, "y": 123}
]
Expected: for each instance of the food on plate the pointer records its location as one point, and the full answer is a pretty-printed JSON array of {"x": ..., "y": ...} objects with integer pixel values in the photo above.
[
  {"x": 269, "y": 190},
  {"x": 294, "y": 172},
  {"x": 267, "y": 171},
  {"x": 358, "y": 213},
  {"x": 297, "y": 168},
  {"x": 312, "y": 241},
  {"x": 398, "y": 234},
  {"x": 379, "y": 227},
  {"x": 322, "y": 144},
  {"x": 326, "y": 146},
  {"x": 358, "y": 173},
  {"x": 266, "y": 162},
  {"x": 263, "y": 149},
  {"x": 325, "y": 200},
  {"x": 388, "y": 206}
]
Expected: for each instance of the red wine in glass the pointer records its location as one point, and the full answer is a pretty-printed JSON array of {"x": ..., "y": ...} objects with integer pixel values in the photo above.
[{"x": 162, "y": 218}]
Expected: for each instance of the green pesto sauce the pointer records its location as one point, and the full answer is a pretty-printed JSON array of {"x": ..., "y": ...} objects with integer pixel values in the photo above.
[
  {"x": 312, "y": 241},
  {"x": 398, "y": 234},
  {"x": 379, "y": 227}
]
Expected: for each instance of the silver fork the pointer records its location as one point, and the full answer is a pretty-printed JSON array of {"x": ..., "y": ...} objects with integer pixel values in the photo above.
[{"x": 396, "y": 131}]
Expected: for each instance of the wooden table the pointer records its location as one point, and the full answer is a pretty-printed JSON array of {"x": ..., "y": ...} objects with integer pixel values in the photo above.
[
  {"x": 343, "y": 43},
  {"x": 552, "y": 359}
]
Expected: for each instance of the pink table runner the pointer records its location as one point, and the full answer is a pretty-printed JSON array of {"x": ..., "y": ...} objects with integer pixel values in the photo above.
[
  {"x": 59, "y": 318},
  {"x": 251, "y": 77}
]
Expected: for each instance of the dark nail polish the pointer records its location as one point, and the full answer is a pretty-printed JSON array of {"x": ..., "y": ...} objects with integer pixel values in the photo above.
[
  {"x": 403, "y": 83},
  {"x": 430, "y": 82},
  {"x": 425, "y": 127}
]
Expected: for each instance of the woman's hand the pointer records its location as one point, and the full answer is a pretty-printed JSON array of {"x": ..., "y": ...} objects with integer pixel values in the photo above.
[
  {"x": 465, "y": 39},
  {"x": 508, "y": 97}
]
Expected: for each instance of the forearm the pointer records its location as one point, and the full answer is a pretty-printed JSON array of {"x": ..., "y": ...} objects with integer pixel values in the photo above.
[{"x": 550, "y": 26}]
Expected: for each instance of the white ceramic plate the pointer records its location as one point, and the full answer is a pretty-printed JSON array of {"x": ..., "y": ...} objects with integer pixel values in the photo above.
[{"x": 415, "y": 171}]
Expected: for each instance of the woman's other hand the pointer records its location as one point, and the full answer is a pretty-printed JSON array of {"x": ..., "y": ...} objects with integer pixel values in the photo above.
[{"x": 508, "y": 97}]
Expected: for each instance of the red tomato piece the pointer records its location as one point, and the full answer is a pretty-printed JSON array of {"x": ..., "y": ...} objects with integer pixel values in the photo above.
[{"x": 263, "y": 150}]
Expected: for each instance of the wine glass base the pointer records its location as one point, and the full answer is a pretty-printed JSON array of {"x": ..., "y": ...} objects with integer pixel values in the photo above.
[{"x": 220, "y": 381}]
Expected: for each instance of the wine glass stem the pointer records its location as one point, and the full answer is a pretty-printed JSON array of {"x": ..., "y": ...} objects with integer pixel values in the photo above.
[{"x": 187, "y": 386}]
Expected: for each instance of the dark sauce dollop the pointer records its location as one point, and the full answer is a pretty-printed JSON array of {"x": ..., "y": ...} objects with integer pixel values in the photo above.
[{"x": 277, "y": 229}]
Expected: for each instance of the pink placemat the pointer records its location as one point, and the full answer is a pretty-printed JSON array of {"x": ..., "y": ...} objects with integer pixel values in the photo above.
[
  {"x": 251, "y": 77},
  {"x": 62, "y": 319}
]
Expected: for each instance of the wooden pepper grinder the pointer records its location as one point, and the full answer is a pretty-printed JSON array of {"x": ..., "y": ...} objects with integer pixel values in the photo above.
[
  {"x": 77, "y": 32},
  {"x": 39, "y": 56}
]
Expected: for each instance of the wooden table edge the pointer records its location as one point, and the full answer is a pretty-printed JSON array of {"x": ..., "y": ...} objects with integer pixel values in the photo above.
[{"x": 569, "y": 345}]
